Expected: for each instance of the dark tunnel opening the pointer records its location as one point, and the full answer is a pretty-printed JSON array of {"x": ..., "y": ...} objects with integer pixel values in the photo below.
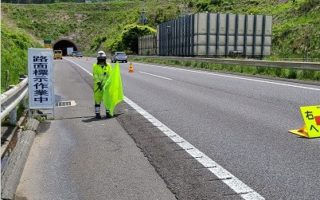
[{"x": 63, "y": 45}]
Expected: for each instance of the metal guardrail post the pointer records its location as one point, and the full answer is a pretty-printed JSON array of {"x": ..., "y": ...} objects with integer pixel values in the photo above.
[
  {"x": 24, "y": 101},
  {"x": 13, "y": 116}
]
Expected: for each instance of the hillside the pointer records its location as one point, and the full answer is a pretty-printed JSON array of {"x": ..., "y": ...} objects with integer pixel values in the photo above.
[
  {"x": 14, "y": 45},
  {"x": 89, "y": 25},
  {"x": 296, "y": 25}
]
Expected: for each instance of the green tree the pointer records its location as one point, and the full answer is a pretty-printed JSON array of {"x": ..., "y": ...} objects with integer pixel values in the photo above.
[{"x": 129, "y": 38}]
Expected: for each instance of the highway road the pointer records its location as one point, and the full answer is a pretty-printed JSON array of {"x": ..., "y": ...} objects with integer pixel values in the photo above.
[
  {"x": 240, "y": 122},
  {"x": 77, "y": 157}
]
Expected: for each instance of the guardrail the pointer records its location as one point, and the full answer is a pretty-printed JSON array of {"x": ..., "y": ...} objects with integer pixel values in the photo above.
[
  {"x": 16, "y": 141},
  {"x": 247, "y": 62},
  {"x": 11, "y": 99}
]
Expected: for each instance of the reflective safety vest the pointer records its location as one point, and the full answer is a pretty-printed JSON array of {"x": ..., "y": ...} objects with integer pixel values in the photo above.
[{"x": 101, "y": 74}]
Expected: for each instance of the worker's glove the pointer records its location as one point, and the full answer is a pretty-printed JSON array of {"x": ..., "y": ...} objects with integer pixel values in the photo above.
[{"x": 99, "y": 85}]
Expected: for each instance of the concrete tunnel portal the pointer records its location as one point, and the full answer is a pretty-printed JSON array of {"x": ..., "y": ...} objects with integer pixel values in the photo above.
[{"x": 63, "y": 44}]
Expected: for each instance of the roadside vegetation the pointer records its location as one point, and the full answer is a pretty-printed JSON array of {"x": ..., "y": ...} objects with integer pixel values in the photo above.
[
  {"x": 296, "y": 23},
  {"x": 92, "y": 26},
  {"x": 114, "y": 26},
  {"x": 309, "y": 75},
  {"x": 14, "y": 45}
]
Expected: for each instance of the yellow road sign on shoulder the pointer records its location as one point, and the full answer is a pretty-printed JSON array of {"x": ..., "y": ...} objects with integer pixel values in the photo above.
[{"x": 311, "y": 118}]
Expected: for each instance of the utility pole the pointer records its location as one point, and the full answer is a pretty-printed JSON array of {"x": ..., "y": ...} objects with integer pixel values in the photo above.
[{"x": 143, "y": 20}]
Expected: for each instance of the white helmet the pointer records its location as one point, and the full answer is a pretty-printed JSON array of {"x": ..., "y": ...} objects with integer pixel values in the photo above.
[
  {"x": 101, "y": 54},
  {"x": 101, "y": 58}
]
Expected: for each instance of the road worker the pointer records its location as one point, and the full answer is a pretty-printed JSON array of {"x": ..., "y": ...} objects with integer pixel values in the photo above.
[{"x": 101, "y": 72}]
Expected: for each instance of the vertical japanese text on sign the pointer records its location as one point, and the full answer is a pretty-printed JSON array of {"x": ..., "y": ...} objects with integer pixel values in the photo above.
[{"x": 40, "y": 78}]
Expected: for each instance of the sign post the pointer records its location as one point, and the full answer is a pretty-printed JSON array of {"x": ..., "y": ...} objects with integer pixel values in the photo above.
[{"x": 40, "y": 73}]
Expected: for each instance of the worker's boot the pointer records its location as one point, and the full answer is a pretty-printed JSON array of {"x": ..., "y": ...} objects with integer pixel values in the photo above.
[
  {"x": 97, "y": 111},
  {"x": 98, "y": 116},
  {"x": 108, "y": 114}
]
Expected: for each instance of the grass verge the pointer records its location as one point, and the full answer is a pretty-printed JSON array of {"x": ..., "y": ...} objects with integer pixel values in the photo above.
[{"x": 284, "y": 73}]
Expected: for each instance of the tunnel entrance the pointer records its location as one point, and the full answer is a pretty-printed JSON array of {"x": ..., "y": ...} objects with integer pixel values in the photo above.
[{"x": 63, "y": 45}]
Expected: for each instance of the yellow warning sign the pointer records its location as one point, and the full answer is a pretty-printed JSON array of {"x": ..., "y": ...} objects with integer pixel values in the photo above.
[{"x": 311, "y": 118}]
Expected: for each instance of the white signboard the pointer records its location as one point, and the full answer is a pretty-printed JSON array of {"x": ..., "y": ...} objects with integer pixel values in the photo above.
[{"x": 40, "y": 73}]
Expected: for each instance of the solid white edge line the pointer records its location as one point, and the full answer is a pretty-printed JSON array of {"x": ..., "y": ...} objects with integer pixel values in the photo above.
[
  {"x": 235, "y": 77},
  {"x": 142, "y": 72},
  {"x": 84, "y": 69},
  {"x": 230, "y": 180},
  {"x": 234, "y": 183}
]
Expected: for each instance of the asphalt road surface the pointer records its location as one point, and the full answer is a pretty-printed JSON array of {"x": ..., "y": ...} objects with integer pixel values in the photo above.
[
  {"x": 240, "y": 122},
  {"x": 76, "y": 157}
]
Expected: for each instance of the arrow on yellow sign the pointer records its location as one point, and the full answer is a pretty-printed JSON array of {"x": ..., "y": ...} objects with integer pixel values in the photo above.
[{"x": 311, "y": 118}]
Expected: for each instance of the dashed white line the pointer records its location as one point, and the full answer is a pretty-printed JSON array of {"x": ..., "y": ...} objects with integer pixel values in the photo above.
[
  {"x": 233, "y": 182},
  {"x": 236, "y": 77},
  {"x": 155, "y": 75}
]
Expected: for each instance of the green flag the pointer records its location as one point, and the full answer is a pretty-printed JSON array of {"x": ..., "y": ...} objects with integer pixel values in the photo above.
[{"x": 112, "y": 90}]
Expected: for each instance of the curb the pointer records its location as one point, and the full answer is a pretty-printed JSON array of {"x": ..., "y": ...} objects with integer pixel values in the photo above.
[{"x": 11, "y": 174}]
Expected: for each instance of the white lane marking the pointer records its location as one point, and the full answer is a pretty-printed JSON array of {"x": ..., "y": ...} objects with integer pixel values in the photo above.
[
  {"x": 84, "y": 69},
  {"x": 155, "y": 75},
  {"x": 236, "y": 77},
  {"x": 233, "y": 182}
]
